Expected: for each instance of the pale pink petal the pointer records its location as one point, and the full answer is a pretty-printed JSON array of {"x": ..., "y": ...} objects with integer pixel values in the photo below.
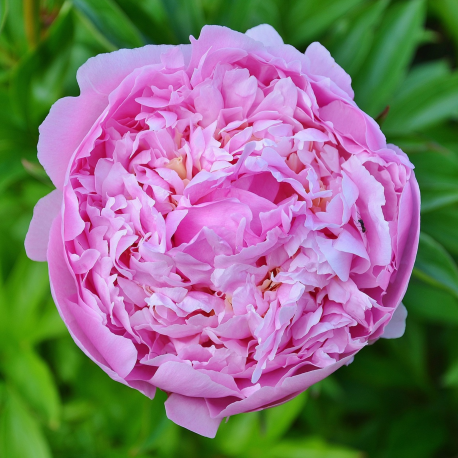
[
  {"x": 397, "y": 325},
  {"x": 37, "y": 238},
  {"x": 192, "y": 414},
  {"x": 322, "y": 63},
  {"x": 266, "y": 34}
]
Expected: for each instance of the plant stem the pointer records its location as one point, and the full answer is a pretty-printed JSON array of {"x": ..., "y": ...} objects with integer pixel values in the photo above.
[{"x": 31, "y": 21}]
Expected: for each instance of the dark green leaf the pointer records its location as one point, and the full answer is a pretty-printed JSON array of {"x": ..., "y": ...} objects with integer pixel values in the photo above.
[
  {"x": 151, "y": 19},
  {"x": 435, "y": 265},
  {"x": 310, "y": 448},
  {"x": 186, "y": 18},
  {"x": 441, "y": 224},
  {"x": 352, "y": 45},
  {"x": 242, "y": 15},
  {"x": 450, "y": 378},
  {"x": 427, "y": 97},
  {"x": 415, "y": 434},
  {"x": 308, "y": 18},
  {"x": 447, "y": 11},
  {"x": 431, "y": 304},
  {"x": 389, "y": 56},
  {"x": 111, "y": 21}
]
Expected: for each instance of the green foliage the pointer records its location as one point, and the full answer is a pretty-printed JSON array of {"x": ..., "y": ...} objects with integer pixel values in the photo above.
[{"x": 398, "y": 399}]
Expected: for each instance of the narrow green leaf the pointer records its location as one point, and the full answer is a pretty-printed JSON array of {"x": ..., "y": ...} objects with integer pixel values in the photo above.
[
  {"x": 242, "y": 15},
  {"x": 14, "y": 30},
  {"x": 20, "y": 435},
  {"x": 31, "y": 377},
  {"x": 428, "y": 96},
  {"x": 308, "y": 18},
  {"x": 111, "y": 21},
  {"x": 37, "y": 81},
  {"x": 186, "y": 18},
  {"x": 310, "y": 448},
  {"x": 435, "y": 265},
  {"x": 280, "y": 418},
  {"x": 390, "y": 55},
  {"x": 151, "y": 19},
  {"x": 447, "y": 11},
  {"x": 421, "y": 76},
  {"x": 353, "y": 44},
  {"x": 431, "y": 200},
  {"x": 3, "y": 13}
]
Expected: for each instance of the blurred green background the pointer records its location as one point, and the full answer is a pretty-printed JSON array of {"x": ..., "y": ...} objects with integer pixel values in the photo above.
[{"x": 398, "y": 399}]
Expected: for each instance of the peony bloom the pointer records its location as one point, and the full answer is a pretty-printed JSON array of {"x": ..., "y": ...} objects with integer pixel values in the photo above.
[{"x": 227, "y": 225}]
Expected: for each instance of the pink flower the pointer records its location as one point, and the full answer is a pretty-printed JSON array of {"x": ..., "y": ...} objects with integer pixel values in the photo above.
[{"x": 228, "y": 226}]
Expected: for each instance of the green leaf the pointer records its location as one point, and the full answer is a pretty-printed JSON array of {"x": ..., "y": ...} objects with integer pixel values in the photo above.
[
  {"x": 447, "y": 11},
  {"x": 37, "y": 81},
  {"x": 27, "y": 287},
  {"x": 352, "y": 45},
  {"x": 31, "y": 377},
  {"x": 20, "y": 435},
  {"x": 48, "y": 326},
  {"x": 450, "y": 378},
  {"x": 244, "y": 427},
  {"x": 390, "y": 55},
  {"x": 428, "y": 96},
  {"x": 185, "y": 17},
  {"x": 431, "y": 200},
  {"x": 442, "y": 224},
  {"x": 310, "y": 448},
  {"x": 308, "y": 18},
  {"x": 279, "y": 419},
  {"x": 416, "y": 433},
  {"x": 3, "y": 13},
  {"x": 431, "y": 304},
  {"x": 256, "y": 431},
  {"x": 14, "y": 31},
  {"x": 150, "y": 17},
  {"x": 111, "y": 21},
  {"x": 435, "y": 265},
  {"x": 242, "y": 15}
]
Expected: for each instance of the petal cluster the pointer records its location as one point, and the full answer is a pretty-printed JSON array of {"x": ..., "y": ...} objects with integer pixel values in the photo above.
[{"x": 228, "y": 225}]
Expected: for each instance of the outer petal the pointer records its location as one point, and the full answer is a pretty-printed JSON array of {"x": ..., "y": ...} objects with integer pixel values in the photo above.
[
  {"x": 103, "y": 73},
  {"x": 397, "y": 325},
  {"x": 191, "y": 413},
  {"x": 323, "y": 64},
  {"x": 71, "y": 118},
  {"x": 214, "y": 37},
  {"x": 114, "y": 354},
  {"x": 269, "y": 395},
  {"x": 37, "y": 238},
  {"x": 180, "y": 378},
  {"x": 352, "y": 123},
  {"x": 408, "y": 237},
  {"x": 266, "y": 34}
]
